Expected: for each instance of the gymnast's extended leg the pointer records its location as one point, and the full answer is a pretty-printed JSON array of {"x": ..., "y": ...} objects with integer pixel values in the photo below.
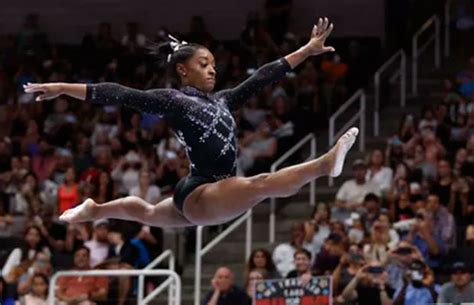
[
  {"x": 163, "y": 214},
  {"x": 224, "y": 200}
]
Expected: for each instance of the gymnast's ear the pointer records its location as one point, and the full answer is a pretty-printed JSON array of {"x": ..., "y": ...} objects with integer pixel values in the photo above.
[{"x": 181, "y": 69}]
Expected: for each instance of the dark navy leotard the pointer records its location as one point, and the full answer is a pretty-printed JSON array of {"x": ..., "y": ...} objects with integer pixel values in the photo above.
[{"x": 202, "y": 122}]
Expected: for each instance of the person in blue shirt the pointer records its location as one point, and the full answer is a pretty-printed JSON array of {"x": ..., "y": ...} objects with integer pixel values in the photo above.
[
  {"x": 418, "y": 288},
  {"x": 211, "y": 194},
  {"x": 428, "y": 240}
]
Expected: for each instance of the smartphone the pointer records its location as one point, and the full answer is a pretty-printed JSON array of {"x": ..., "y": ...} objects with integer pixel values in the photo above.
[
  {"x": 375, "y": 269},
  {"x": 404, "y": 250}
]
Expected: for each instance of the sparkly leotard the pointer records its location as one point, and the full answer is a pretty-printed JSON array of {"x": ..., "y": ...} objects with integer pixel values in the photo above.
[{"x": 202, "y": 122}]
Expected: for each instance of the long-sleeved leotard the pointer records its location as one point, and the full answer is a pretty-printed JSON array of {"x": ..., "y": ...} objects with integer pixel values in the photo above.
[{"x": 202, "y": 122}]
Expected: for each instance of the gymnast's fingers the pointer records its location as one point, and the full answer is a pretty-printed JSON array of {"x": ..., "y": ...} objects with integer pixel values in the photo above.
[
  {"x": 328, "y": 31},
  {"x": 320, "y": 26}
]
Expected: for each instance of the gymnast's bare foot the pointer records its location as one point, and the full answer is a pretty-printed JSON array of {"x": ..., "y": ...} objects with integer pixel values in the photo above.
[
  {"x": 338, "y": 153},
  {"x": 86, "y": 211}
]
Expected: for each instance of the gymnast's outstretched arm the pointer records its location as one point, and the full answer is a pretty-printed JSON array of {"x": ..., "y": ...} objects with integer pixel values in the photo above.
[
  {"x": 274, "y": 71},
  {"x": 157, "y": 101}
]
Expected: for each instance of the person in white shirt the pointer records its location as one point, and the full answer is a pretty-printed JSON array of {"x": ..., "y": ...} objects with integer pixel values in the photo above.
[
  {"x": 351, "y": 194},
  {"x": 99, "y": 244},
  {"x": 377, "y": 173},
  {"x": 283, "y": 255},
  {"x": 145, "y": 190}
]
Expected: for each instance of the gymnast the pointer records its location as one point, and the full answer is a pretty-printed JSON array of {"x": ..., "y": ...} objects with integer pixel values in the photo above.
[{"x": 212, "y": 193}]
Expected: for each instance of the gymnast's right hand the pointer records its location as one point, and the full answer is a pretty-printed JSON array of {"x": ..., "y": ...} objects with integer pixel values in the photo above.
[{"x": 48, "y": 91}]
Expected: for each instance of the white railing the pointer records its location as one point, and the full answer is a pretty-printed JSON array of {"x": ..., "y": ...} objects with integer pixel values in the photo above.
[
  {"x": 447, "y": 27},
  {"x": 417, "y": 51},
  {"x": 401, "y": 58},
  {"x": 119, "y": 273},
  {"x": 360, "y": 97},
  {"x": 312, "y": 195},
  {"x": 200, "y": 251},
  {"x": 168, "y": 254}
]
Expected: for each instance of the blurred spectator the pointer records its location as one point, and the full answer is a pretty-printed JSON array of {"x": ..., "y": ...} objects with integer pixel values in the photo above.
[
  {"x": 428, "y": 120},
  {"x": 398, "y": 262},
  {"x": 351, "y": 194},
  {"x": 81, "y": 290},
  {"x": 52, "y": 231},
  {"x": 29, "y": 200},
  {"x": 418, "y": 288},
  {"x": 377, "y": 249},
  {"x": 302, "y": 271},
  {"x": 120, "y": 246},
  {"x": 377, "y": 172},
  {"x": 224, "y": 291},
  {"x": 427, "y": 239},
  {"x": 460, "y": 289},
  {"x": 328, "y": 258},
  {"x": 104, "y": 189},
  {"x": 68, "y": 192},
  {"x": 133, "y": 41},
  {"x": 21, "y": 259},
  {"x": 372, "y": 209},
  {"x": 42, "y": 266},
  {"x": 145, "y": 190},
  {"x": 77, "y": 235},
  {"x": 261, "y": 260},
  {"x": 317, "y": 229},
  {"x": 443, "y": 221},
  {"x": 99, "y": 244},
  {"x": 252, "y": 277},
  {"x": 284, "y": 253},
  {"x": 349, "y": 264},
  {"x": 126, "y": 172},
  {"x": 368, "y": 286},
  {"x": 39, "y": 291}
]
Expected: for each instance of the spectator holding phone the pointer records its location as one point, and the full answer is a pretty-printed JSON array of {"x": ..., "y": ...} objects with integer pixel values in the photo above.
[
  {"x": 418, "y": 288},
  {"x": 369, "y": 286}
]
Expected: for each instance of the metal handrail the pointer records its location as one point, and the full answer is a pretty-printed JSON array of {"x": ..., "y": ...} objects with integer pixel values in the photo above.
[
  {"x": 119, "y": 273},
  {"x": 200, "y": 251},
  {"x": 312, "y": 194},
  {"x": 447, "y": 25},
  {"x": 360, "y": 115},
  {"x": 400, "y": 72},
  {"x": 416, "y": 52},
  {"x": 171, "y": 265}
]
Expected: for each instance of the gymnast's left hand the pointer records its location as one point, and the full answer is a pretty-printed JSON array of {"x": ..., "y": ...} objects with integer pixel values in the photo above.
[
  {"x": 47, "y": 91},
  {"x": 320, "y": 32}
]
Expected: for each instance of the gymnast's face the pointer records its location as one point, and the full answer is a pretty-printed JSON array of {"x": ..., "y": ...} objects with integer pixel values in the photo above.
[{"x": 199, "y": 71}]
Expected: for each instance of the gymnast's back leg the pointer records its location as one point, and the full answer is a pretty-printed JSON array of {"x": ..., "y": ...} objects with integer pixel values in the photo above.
[
  {"x": 226, "y": 199},
  {"x": 163, "y": 214}
]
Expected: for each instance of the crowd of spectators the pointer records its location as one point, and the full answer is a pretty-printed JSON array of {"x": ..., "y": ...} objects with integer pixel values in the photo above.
[{"x": 408, "y": 207}]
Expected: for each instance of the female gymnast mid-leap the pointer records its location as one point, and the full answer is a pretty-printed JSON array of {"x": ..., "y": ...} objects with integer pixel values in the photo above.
[{"x": 212, "y": 193}]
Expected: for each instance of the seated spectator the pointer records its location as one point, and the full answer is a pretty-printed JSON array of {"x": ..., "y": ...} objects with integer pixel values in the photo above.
[
  {"x": 303, "y": 267},
  {"x": 377, "y": 249},
  {"x": 372, "y": 209},
  {"x": 38, "y": 294},
  {"x": 68, "y": 192},
  {"x": 261, "y": 260},
  {"x": 21, "y": 259},
  {"x": 401, "y": 208},
  {"x": 257, "y": 150},
  {"x": 377, "y": 172},
  {"x": 78, "y": 289},
  {"x": 398, "y": 261},
  {"x": 121, "y": 248},
  {"x": 351, "y": 194},
  {"x": 145, "y": 190},
  {"x": 349, "y": 264},
  {"x": 328, "y": 258},
  {"x": 99, "y": 244},
  {"x": 52, "y": 231},
  {"x": 356, "y": 229},
  {"x": 428, "y": 120},
  {"x": 317, "y": 229},
  {"x": 460, "y": 289},
  {"x": 42, "y": 266},
  {"x": 384, "y": 219},
  {"x": 418, "y": 288},
  {"x": 133, "y": 41},
  {"x": 252, "y": 277},
  {"x": 126, "y": 172},
  {"x": 443, "y": 221},
  {"x": 368, "y": 286},
  {"x": 76, "y": 236},
  {"x": 284, "y": 253},
  {"x": 224, "y": 291},
  {"x": 427, "y": 239}
]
